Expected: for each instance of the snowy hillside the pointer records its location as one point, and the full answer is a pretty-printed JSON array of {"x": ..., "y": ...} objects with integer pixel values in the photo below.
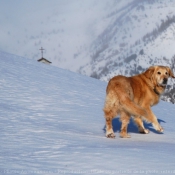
[{"x": 51, "y": 122}]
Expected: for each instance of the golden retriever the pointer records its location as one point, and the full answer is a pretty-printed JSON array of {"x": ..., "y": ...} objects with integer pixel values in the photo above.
[{"x": 134, "y": 96}]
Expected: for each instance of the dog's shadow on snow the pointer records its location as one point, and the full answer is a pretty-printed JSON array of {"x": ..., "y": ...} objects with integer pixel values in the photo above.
[{"x": 132, "y": 128}]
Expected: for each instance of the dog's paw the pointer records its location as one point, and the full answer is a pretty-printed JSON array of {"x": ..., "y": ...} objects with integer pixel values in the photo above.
[
  {"x": 110, "y": 135},
  {"x": 160, "y": 129},
  {"x": 144, "y": 131},
  {"x": 124, "y": 135}
]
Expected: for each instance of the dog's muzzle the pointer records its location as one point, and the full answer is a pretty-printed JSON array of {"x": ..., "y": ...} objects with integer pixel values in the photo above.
[{"x": 164, "y": 82}]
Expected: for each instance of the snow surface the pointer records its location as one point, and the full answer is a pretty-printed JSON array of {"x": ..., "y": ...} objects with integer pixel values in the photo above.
[{"x": 51, "y": 122}]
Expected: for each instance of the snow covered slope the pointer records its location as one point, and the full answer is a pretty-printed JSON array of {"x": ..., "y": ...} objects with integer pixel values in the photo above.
[{"x": 51, "y": 122}]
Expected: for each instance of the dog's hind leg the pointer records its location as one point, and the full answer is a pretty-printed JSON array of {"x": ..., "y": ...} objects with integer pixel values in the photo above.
[
  {"x": 138, "y": 121},
  {"x": 124, "y": 118},
  {"x": 109, "y": 129},
  {"x": 110, "y": 111}
]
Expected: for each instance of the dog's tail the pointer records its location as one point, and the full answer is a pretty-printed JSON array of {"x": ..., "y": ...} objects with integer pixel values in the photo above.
[
  {"x": 132, "y": 108},
  {"x": 128, "y": 105}
]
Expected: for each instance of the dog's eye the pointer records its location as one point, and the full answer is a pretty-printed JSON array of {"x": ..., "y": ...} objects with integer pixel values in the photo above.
[
  {"x": 159, "y": 73},
  {"x": 166, "y": 73}
]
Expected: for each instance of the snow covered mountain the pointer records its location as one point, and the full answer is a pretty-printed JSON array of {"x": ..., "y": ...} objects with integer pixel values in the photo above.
[
  {"x": 140, "y": 34},
  {"x": 51, "y": 122}
]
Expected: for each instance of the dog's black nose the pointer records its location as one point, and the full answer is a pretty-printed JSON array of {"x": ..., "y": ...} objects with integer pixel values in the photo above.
[{"x": 165, "y": 81}]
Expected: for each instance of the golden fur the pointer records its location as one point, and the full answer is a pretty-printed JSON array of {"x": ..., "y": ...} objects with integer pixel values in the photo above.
[{"x": 134, "y": 96}]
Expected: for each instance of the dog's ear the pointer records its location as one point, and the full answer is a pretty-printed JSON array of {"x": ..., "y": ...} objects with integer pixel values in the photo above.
[
  {"x": 149, "y": 72},
  {"x": 170, "y": 72}
]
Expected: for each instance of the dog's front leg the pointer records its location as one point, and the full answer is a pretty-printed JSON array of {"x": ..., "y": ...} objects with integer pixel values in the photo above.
[
  {"x": 153, "y": 119},
  {"x": 138, "y": 121}
]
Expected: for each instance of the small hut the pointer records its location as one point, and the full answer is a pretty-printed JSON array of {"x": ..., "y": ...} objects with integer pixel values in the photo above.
[{"x": 43, "y": 60}]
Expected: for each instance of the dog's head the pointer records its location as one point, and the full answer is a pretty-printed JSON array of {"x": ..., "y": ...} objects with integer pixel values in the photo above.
[{"x": 159, "y": 75}]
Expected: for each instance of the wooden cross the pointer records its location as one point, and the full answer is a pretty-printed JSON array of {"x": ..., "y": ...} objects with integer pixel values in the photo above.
[{"x": 41, "y": 52}]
